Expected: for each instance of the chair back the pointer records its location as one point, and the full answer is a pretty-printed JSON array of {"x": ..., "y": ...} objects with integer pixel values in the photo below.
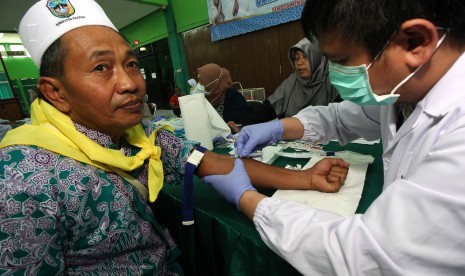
[{"x": 252, "y": 104}]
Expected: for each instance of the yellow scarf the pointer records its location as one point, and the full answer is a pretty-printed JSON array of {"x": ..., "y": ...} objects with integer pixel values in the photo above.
[{"x": 54, "y": 131}]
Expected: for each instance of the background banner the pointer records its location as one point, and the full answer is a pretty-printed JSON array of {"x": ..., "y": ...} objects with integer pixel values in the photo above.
[{"x": 234, "y": 17}]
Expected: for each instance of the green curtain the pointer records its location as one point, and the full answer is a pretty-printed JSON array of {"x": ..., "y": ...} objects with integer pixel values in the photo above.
[{"x": 5, "y": 89}]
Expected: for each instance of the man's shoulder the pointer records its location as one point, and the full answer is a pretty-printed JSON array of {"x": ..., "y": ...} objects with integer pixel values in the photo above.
[
  {"x": 29, "y": 158},
  {"x": 149, "y": 126},
  {"x": 34, "y": 156}
]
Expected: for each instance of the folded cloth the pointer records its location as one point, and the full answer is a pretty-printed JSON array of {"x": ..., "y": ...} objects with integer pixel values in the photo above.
[{"x": 202, "y": 122}]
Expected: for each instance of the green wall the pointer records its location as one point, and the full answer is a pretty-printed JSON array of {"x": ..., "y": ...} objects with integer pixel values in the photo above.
[
  {"x": 190, "y": 14},
  {"x": 21, "y": 68},
  {"x": 151, "y": 2},
  {"x": 177, "y": 17},
  {"x": 147, "y": 30}
]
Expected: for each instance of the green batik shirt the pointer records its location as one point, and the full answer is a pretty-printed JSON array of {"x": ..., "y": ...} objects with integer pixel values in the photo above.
[{"x": 60, "y": 216}]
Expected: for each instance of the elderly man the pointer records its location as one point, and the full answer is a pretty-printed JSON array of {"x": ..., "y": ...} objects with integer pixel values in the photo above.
[{"x": 74, "y": 184}]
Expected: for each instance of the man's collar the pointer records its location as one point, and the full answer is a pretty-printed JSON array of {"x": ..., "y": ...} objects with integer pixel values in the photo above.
[
  {"x": 447, "y": 92},
  {"x": 98, "y": 137}
]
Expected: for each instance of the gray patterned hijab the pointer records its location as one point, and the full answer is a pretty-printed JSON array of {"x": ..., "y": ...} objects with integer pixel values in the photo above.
[{"x": 295, "y": 92}]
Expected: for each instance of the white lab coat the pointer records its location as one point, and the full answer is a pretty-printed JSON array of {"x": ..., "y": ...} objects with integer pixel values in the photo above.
[{"x": 417, "y": 225}]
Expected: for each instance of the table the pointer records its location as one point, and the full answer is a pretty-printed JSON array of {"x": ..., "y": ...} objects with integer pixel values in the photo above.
[{"x": 223, "y": 241}]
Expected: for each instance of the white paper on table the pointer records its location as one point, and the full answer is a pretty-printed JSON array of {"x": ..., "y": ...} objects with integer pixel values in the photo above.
[
  {"x": 344, "y": 202},
  {"x": 269, "y": 154},
  {"x": 353, "y": 157},
  {"x": 201, "y": 121},
  {"x": 273, "y": 152},
  {"x": 362, "y": 141}
]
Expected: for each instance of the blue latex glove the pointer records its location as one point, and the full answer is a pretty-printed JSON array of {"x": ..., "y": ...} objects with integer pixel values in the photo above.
[
  {"x": 231, "y": 186},
  {"x": 257, "y": 136}
]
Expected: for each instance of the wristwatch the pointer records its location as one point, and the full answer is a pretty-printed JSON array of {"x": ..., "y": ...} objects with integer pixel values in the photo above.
[{"x": 188, "y": 198}]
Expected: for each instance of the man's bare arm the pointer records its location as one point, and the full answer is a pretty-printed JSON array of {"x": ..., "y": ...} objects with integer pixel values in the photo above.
[{"x": 267, "y": 176}]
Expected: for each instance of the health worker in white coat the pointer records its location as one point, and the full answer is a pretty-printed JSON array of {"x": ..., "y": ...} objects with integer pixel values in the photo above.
[{"x": 400, "y": 66}]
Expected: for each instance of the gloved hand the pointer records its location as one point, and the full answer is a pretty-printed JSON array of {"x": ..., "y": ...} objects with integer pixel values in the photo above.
[
  {"x": 231, "y": 186},
  {"x": 258, "y": 136}
]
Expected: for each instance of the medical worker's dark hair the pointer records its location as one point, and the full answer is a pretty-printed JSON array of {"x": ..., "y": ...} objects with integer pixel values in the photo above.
[{"x": 373, "y": 22}]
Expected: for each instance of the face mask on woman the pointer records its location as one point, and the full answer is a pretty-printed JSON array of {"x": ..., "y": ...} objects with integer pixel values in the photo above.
[
  {"x": 201, "y": 89},
  {"x": 353, "y": 82}
]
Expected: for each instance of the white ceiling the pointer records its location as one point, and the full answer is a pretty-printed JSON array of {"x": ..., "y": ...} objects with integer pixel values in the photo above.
[{"x": 120, "y": 12}]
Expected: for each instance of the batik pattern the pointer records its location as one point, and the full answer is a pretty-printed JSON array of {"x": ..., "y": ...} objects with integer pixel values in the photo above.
[{"x": 58, "y": 215}]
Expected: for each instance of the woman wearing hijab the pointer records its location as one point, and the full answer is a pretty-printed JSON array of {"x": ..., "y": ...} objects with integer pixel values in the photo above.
[
  {"x": 308, "y": 85},
  {"x": 215, "y": 82}
]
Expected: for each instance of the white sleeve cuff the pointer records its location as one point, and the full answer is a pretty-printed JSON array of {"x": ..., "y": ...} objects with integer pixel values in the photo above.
[{"x": 310, "y": 133}]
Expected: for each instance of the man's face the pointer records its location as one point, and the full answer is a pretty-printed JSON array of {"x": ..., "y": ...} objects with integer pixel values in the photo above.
[
  {"x": 302, "y": 65},
  {"x": 102, "y": 83},
  {"x": 384, "y": 73}
]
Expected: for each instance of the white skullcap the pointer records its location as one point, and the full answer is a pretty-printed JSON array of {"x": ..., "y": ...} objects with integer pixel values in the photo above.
[{"x": 48, "y": 20}]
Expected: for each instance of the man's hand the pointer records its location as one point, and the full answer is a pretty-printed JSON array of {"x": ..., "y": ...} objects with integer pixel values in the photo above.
[{"x": 328, "y": 175}]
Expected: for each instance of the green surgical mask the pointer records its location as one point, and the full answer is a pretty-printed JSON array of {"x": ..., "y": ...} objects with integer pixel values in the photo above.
[
  {"x": 353, "y": 85},
  {"x": 353, "y": 82}
]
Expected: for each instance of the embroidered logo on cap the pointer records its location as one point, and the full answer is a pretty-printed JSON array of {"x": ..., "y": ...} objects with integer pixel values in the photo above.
[{"x": 60, "y": 8}]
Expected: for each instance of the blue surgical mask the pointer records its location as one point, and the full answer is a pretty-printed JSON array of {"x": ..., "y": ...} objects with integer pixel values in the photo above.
[{"x": 353, "y": 82}]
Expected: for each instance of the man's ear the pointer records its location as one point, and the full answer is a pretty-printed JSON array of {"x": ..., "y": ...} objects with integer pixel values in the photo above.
[
  {"x": 52, "y": 90},
  {"x": 420, "y": 38}
]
